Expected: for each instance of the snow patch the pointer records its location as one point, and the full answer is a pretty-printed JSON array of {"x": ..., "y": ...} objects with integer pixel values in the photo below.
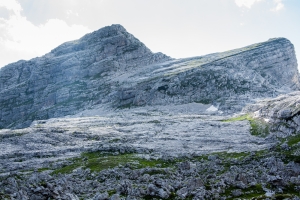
[{"x": 212, "y": 109}]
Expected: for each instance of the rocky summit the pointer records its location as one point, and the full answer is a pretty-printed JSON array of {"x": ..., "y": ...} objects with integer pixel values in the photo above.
[
  {"x": 71, "y": 77},
  {"x": 103, "y": 117}
]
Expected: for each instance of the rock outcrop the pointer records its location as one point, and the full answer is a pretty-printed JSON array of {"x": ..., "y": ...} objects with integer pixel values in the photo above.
[
  {"x": 281, "y": 113},
  {"x": 111, "y": 67}
]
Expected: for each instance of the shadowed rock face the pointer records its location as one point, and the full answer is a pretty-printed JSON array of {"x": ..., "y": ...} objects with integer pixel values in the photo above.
[{"x": 112, "y": 67}]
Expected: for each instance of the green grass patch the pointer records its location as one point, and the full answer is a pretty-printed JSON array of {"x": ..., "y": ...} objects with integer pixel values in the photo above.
[
  {"x": 261, "y": 153},
  {"x": 292, "y": 140},
  {"x": 98, "y": 161},
  {"x": 76, "y": 162},
  {"x": 253, "y": 192},
  {"x": 290, "y": 190},
  {"x": 288, "y": 156},
  {"x": 154, "y": 121},
  {"x": 111, "y": 192},
  {"x": 258, "y": 126},
  {"x": 238, "y": 118},
  {"x": 66, "y": 169},
  {"x": 293, "y": 152},
  {"x": 43, "y": 169}
]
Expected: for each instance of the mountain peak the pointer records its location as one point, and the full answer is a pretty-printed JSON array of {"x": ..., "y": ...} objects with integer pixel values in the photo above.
[
  {"x": 107, "y": 31},
  {"x": 109, "y": 38},
  {"x": 61, "y": 76}
]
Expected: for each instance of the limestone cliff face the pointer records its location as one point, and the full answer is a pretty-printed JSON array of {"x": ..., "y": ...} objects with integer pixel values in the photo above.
[
  {"x": 227, "y": 80},
  {"x": 71, "y": 77},
  {"x": 112, "y": 67}
]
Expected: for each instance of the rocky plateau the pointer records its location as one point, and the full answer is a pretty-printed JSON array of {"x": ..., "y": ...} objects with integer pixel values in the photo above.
[{"x": 103, "y": 117}]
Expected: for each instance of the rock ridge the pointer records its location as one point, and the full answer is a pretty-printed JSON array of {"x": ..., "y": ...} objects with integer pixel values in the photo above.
[
  {"x": 70, "y": 77},
  {"x": 112, "y": 68},
  {"x": 227, "y": 80}
]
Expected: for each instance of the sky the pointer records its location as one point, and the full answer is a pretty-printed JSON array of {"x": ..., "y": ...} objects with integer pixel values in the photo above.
[{"x": 178, "y": 28}]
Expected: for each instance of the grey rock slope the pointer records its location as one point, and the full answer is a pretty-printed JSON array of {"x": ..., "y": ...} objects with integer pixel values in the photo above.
[
  {"x": 111, "y": 67},
  {"x": 70, "y": 77},
  {"x": 227, "y": 80},
  {"x": 168, "y": 133}
]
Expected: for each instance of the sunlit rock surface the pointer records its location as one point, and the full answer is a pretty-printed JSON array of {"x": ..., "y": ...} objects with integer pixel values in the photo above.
[{"x": 156, "y": 130}]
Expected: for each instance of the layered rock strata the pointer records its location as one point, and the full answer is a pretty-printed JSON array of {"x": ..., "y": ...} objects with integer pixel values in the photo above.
[
  {"x": 112, "y": 67},
  {"x": 227, "y": 80}
]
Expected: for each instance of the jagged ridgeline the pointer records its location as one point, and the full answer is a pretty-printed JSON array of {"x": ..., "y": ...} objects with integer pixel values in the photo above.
[{"x": 111, "y": 67}]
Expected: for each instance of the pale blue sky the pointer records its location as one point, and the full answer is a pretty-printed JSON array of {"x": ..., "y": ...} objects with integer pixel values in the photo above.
[{"x": 178, "y": 28}]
